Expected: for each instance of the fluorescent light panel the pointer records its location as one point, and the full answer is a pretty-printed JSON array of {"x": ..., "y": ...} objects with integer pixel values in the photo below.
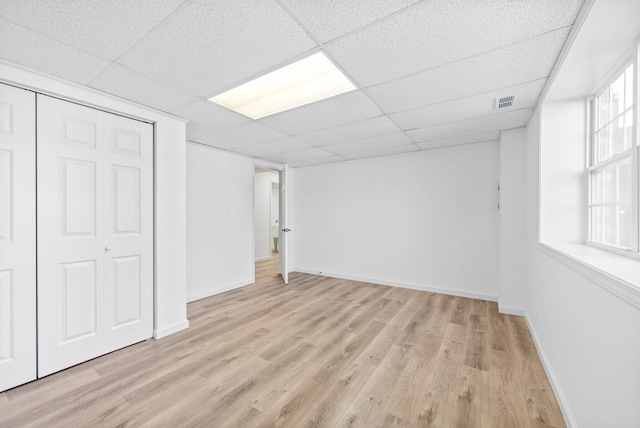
[{"x": 306, "y": 81}]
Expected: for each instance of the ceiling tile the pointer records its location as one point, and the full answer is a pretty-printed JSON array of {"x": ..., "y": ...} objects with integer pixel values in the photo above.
[
  {"x": 301, "y": 155},
  {"x": 469, "y": 107},
  {"x": 513, "y": 65},
  {"x": 380, "y": 125},
  {"x": 319, "y": 161},
  {"x": 102, "y": 28},
  {"x": 243, "y": 135},
  {"x": 328, "y": 19},
  {"x": 382, "y": 152},
  {"x": 283, "y": 145},
  {"x": 457, "y": 141},
  {"x": 339, "y": 110},
  {"x": 129, "y": 85},
  {"x": 212, "y": 45},
  {"x": 43, "y": 54},
  {"x": 496, "y": 122},
  {"x": 207, "y": 118},
  {"x": 381, "y": 142},
  {"x": 438, "y": 32}
]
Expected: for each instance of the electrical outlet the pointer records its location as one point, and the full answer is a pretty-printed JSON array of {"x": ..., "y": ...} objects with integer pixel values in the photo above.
[
  {"x": 210, "y": 274},
  {"x": 363, "y": 264},
  {"x": 535, "y": 309}
]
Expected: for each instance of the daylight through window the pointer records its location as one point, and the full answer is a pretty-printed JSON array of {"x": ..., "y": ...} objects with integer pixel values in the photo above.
[{"x": 613, "y": 166}]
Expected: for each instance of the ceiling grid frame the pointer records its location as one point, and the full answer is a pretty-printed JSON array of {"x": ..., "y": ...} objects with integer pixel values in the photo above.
[{"x": 425, "y": 119}]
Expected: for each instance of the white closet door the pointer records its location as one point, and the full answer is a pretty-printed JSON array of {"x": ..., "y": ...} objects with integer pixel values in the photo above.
[
  {"x": 95, "y": 267},
  {"x": 129, "y": 231},
  {"x": 17, "y": 237}
]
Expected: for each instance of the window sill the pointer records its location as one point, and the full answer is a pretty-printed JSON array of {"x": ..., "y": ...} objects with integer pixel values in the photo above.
[{"x": 617, "y": 274}]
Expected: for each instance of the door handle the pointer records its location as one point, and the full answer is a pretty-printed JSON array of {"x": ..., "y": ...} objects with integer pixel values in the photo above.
[
  {"x": 107, "y": 248},
  {"x": 286, "y": 229}
]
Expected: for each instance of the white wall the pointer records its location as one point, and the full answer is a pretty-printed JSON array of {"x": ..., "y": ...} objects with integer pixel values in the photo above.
[
  {"x": 512, "y": 221},
  {"x": 220, "y": 252},
  {"x": 170, "y": 273},
  {"x": 564, "y": 176},
  {"x": 426, "y": 220},
  {"x": 262, "y": 209},
  {"x": 588, "y": 338}
]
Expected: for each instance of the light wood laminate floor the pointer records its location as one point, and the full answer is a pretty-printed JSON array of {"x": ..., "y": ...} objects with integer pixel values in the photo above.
[{"x": 319, "y": 352}]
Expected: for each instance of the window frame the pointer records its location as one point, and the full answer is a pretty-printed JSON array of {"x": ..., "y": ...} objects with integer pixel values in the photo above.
[{"x": 632, "y": 153}]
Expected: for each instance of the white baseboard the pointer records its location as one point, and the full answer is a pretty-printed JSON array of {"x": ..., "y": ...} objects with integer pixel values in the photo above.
[
  {"x": 420, "y": 287},
  {"x": 262, "y": 258},
  {"x": 510, "y": 311},
  {"x": 166, "y": 331},
  {"x": 208, "y": 293},
  {"x": 555, "y": 385}
]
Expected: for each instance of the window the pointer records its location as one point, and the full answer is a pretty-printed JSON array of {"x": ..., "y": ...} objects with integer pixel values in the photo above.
[{"x": 613, "y": 164}]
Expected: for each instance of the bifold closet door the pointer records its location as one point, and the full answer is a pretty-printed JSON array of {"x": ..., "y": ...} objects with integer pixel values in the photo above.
[
  {"x": 17, "y": 237},
  {"x": 95, "y": 233}
]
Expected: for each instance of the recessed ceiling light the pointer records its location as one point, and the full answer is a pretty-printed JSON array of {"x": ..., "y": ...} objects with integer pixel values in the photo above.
[{"x": 311, "y": 79}]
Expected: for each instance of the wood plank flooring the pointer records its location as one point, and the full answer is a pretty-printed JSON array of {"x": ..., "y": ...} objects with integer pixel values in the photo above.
[{"x": 321, "y": 352}]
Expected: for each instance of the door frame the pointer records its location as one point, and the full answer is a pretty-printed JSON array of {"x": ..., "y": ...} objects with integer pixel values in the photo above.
[{"x": 259, "y": 163}]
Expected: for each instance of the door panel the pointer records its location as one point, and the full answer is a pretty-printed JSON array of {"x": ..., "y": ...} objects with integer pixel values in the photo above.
[
  {"x": 78, "y": 290},
  {"x": 127, "y": 290},
  {"x": 17, "y": 237},
  {"x": 95, "y": 245},
  {"x": 126, "y": 200},
  {"x": 78, "y": 197},
  {"x": 129, "y": 231},
  {"x": 70, "y": 239}
]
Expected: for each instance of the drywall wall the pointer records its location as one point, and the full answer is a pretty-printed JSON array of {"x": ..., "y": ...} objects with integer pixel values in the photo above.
[
  {"x": 220, "y": 253},
  {"x": 512, "y": 215},
  {"x": 563, "y": 178},
  {"x": 169, "y": 170},
  {"x": 426, "y": 220},
  {"x": 588, "y": 338},
  {"x": 262, "y": 212}
]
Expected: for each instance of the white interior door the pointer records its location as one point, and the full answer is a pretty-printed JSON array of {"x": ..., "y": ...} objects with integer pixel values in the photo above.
[
  {"x": 17, "y": 237},
  {"x": 284, "y": 229},
  {"x": 128, "y": 163},
  {"x": 95, "y": 233}
]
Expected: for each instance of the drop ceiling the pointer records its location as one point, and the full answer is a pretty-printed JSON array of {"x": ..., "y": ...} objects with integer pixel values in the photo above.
[{"x": 428, "y": 73}]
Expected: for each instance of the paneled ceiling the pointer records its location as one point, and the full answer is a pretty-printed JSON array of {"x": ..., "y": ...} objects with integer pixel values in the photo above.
[{"x": 428, "y": 72}]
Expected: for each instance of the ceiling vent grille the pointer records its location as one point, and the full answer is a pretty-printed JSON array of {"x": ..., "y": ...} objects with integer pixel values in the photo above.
[{"x": 505, "y": 101}]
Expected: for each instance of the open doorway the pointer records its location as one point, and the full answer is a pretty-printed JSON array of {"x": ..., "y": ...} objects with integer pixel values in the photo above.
[{"x": 267, "y": 219}]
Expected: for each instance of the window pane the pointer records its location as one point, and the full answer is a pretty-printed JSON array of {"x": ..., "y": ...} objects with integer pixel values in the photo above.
[
  {"x": 609, "y": 234},
  {"x": 609, "y": 184},
  {"x": 596, "y": 224},
  {"x": 625, "y": 183},
  {"x": 625, "y": 220},
  {"x": 611, "y": 189},
  {"x": 602, "y": 143},
  {"x": 617, "y": 96},
  {"x": 628, "y": 98},
  {"x": 628, "y": 130},
  {"x": 617, "y": 136},
  {"x": 596, "y": 187},
  {"x": 603, "y": 108}
]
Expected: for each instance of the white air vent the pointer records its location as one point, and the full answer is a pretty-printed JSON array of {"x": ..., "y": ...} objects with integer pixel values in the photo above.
[{"x": 504, "y": 101}]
